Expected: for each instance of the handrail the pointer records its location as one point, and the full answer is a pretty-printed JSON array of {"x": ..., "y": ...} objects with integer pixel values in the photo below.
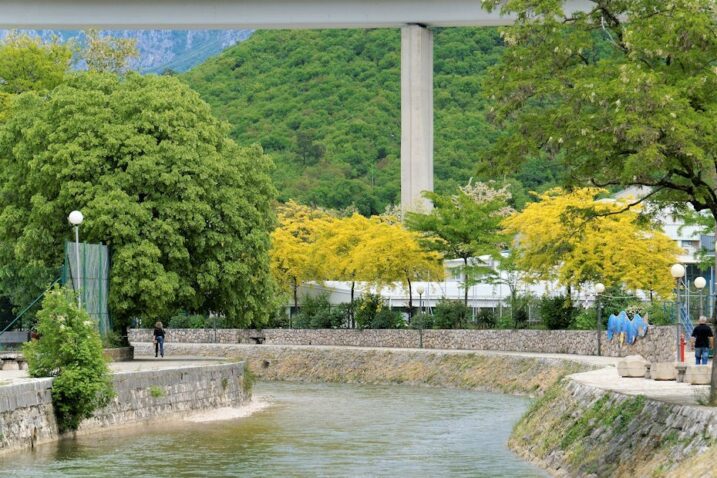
[
  {"x": 29, "y": 306},
  {"x": 685, "y": 319}
]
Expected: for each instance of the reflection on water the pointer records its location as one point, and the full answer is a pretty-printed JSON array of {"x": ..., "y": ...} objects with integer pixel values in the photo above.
[{"x": 308, "y": 430}]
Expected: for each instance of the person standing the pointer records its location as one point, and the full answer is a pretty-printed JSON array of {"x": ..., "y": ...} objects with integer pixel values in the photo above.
[
  {"x": 702, "y": 341},
  {"x": 158, "y": 339}
]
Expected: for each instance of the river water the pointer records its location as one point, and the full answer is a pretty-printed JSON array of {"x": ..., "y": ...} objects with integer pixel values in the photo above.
[{"x": 306, "y": 430}]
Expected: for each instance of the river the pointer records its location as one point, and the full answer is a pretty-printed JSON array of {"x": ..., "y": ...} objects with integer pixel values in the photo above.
[{"x": 306, "y": 430}]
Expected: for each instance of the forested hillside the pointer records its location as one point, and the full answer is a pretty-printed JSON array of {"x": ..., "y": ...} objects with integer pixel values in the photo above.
[{"x": 326, "y": 106}]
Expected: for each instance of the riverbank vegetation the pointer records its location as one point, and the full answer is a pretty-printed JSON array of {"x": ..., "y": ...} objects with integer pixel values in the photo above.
[{"x": 68, "y": 347}]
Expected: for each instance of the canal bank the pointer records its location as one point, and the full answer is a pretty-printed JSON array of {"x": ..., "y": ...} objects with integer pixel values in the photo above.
[
  {"x": 144, "y": 392},
  {"x": 588, "y": 422}
]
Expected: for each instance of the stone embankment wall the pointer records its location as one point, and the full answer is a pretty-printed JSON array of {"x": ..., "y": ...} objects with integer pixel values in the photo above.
[
  {"x": 658, "y": 346},
  {"x": 439, "y": 368},
  {"x": 577, "y": 430},
  {"x": 27, "y": 416}
]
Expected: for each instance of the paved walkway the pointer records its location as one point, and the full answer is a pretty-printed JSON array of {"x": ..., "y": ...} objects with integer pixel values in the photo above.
[{"x": 605, "y": 377}]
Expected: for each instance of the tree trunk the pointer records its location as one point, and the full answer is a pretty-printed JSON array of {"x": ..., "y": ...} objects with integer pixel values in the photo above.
[
  {"x": 465, "y": 281},
  {"x": 713, "y": 380},
  {"x": 352, "y": 324},
  {"x": 296, "y": 302},
  {"x": 410, "y": 302}
]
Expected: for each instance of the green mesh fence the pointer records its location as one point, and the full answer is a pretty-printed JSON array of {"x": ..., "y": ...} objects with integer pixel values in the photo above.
[{"x": 91, "y": 279}]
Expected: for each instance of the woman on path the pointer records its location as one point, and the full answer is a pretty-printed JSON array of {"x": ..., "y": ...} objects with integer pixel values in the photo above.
[{"x": 158, "y": 339}]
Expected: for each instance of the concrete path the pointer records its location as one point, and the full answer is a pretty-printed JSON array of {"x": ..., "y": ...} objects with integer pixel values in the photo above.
[
  {"x": 8, "y": 377},
  {"x": 663, "y": 390}
]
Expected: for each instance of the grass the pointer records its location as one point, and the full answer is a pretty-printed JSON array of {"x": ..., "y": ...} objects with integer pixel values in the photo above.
[{"x": 156, "y": 392}]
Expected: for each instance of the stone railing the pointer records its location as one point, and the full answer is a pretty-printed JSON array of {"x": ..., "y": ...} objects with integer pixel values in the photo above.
[{"x": 659, "y": 345}]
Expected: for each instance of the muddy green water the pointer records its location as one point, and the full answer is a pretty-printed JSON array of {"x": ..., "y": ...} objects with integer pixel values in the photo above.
[{"x": 307, "y": 430}]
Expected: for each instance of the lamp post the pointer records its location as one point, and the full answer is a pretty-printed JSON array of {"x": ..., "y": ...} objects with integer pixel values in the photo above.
[
  {"x": 599, "y": 289},
  {"x": 700, "y": 284},
  {"x": 678, "y": 272},
  {"x": 76, "y": 219},
  {"x": 420, "y": 289}
]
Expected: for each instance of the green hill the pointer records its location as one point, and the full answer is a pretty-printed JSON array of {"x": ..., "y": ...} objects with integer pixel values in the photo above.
[{"x": 326, "y": 106}]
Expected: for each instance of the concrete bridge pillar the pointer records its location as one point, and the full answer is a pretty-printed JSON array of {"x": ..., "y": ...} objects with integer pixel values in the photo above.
[{"x": 416, "y": 117}]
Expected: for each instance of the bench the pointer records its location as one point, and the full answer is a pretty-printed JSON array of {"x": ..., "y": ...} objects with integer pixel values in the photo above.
[{"x": 13, "y": 362}]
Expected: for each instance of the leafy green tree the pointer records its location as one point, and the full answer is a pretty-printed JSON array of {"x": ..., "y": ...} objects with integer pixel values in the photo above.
[
  {"x": 108, "y": 54},
  {"x": 465, "y": 225},
  {"x": 27, "y": 64},
  {"x": 622, "y": 93},
  {"x": 187, "y": 213}
]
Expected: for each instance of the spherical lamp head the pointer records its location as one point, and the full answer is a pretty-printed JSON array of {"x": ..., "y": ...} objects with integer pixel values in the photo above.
[
  {"x": 76, "y": 218},
  {"x": 420, "y": 289},
  {"x": 700, "y": 282},
  {"x": 599, "y": 288},
  {"x": 677, "y": 271}
]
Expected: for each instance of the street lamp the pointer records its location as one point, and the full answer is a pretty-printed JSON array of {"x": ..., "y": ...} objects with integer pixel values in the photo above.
[
  {"x": 678, "y": 272},
  {"x": 76, "y": 219},
  {"x": 420, "y": 289},
  {"x": 700, "y": 284},
  {"x": 599, "y": 290}
]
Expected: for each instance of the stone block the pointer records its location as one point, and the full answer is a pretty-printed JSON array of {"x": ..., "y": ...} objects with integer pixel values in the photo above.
[
  {"x": 663, "y": 371},
  {"x": 698, "y": 374},
  {"x": 632, "y": 366},
  {"x": 10, "y": 365}
]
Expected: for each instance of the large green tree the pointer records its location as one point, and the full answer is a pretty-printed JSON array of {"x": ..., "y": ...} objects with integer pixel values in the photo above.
[
  {"x": 621, "y": 93},
  {"x": 186, "y": 212}
]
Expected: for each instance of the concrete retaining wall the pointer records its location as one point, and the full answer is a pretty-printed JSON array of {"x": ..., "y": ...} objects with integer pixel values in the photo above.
[
  {"x": 658, "y": 346},
  {"x": 27, "y": 416}
]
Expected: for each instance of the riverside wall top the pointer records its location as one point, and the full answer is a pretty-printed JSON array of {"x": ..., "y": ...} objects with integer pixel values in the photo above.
[{"x": 657, "y": 346}]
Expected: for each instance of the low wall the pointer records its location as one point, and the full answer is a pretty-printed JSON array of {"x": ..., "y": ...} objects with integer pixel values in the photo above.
[
  {"x": 658, "y": 346},
  {"x": 27, "y": 416},
  {"x": 576, "y": 430}
]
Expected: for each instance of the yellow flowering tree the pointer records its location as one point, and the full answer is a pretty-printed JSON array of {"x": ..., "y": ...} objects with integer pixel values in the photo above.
[
  {"x": 574, "y": 238},
  {"x": 292, "y": 245}
]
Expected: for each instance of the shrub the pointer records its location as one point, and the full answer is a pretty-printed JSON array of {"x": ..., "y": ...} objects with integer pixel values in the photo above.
[
  {"x": 367, "y": 308},
  {"x": 69, "y": 349},
  {"x": 388, "y": 319},
  {"x": 422, "y": 321},
  {"x": 586, "y": 319},
  {"x": 317, "y": 313},
  {"x": 556, "y": 312},
  {"x": 184, "y": 321},
  {"x": 450, "y": 314},
  {"x": 486, "y": 318}
]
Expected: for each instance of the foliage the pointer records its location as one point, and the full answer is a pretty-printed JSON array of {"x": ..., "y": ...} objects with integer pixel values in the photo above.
[
  {"x": 586, "y": 319},
  {"x": 108, "y": 54},
  {"x": 556, "y": 312},
  {"x": 326, "y": 106},
  {"x": 450, "y": 314},
  {"x": 317, "y": 313},
  {"x": 186, "y": 321},
  {"x": 575, "y": 238},
  {"x": 465, "y": 225},
  {"x": 292, "y": 252},
  {"x": 186, "y": 211},
  {"x": 69, "y": 349},
  {"x": 156, "y": 392},
  {"x": 368, "y": 307},
  {"x": 421, "y": 320},
  {"x": 27, "y": 64},
  {"x": 486, "y": 318},
  {"x": 620, "y": 94}
]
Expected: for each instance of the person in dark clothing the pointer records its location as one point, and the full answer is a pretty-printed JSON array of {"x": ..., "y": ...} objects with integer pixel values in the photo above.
[
  {"x": 158, "y": 339},
  {"x": 702, "y": 341}
]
